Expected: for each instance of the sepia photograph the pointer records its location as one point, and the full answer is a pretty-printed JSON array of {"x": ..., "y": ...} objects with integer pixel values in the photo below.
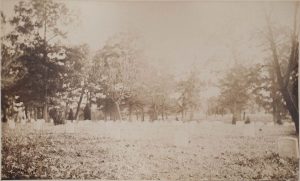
[{"x": 150, "y": 90}]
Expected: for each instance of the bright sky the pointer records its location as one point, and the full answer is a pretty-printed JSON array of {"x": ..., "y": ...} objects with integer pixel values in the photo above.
[{"x": 176, "y": 34}]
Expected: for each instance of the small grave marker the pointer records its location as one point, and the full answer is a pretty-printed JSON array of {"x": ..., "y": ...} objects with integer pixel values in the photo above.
[{"x": 288, "y": 147}]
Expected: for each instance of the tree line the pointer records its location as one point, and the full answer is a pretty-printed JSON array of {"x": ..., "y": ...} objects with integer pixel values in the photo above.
[{"x": 50, "y": 77}]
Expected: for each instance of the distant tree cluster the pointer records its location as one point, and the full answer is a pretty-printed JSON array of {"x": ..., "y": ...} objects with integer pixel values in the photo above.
[
  {"x": 49, "y": 76},
  {"x": 272, "y": 84}
]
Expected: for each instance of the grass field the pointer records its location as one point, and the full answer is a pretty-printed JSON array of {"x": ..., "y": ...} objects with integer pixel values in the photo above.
[{"x": 146, "y": 151}]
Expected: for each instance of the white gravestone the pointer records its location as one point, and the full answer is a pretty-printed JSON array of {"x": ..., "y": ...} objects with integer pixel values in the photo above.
[
  {"x": 288, "y": 147},
  {"x": 11, "y": 124}
]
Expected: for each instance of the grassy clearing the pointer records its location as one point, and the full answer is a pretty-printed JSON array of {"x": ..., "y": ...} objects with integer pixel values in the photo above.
[{"x": 145, "y": 151}]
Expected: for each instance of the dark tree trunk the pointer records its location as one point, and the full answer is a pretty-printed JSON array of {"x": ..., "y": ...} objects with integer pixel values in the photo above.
[
  {"x": 87, "y": 112},
  {"x": 130, "y": 111},
  {"x": 137, "y": 115},
  {"x": 45, "y": 112},
  {"x": 155, "y": 112},
  {"x": 118, "y": 110},
  {"x": 66, "y": 110},
  {"x": 79, "y": 102},
  {"x": 143, "y": 114},
  {"x": 163, "y": 111},
  {"x": 105, "y": 115},
  {"x": 4, "y": 113}
]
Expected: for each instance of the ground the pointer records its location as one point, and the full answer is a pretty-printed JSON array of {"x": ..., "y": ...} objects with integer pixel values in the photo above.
[{"x": 167, "y": 150}]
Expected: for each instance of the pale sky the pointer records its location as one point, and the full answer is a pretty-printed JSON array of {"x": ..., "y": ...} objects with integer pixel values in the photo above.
[{"x": 176, "y": 34}]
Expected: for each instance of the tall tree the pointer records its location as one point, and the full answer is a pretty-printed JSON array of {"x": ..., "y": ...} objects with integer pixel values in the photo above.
[
  {"x": 189, "y": 89},
  {"x": 266, "y": 91},
  {"x": 287, "y": 87},
  {"x": 235, "y": 91},
  {"x": 115, "y": 68},
  {"x": 35, "y": 25}
]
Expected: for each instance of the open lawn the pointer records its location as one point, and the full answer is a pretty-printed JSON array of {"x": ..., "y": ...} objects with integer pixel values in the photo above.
[{"x": 146, "y": 151}]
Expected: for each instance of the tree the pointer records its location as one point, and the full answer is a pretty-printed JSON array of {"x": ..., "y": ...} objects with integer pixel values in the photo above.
[
  {"x": 235, "y": 91},
  {"x": 287, "y": 87},
  {"x": 11, "y": 69},
  {"x": 115, "y": 69},
  {"x": 189, "y": 90},
  {"x": 266, "y": 91},
  {"x": 35, "y": 25},
  {"x": 75, "y": 82}
]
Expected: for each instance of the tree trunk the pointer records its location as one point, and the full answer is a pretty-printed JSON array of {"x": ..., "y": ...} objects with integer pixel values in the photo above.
[
  {"x": 130, "y": 112},
  {"x": 191, "y": 114},
  {"x": 274, "y": 110},
  {"x": 45, "y": 112},
  {"x": 155, "y": 112},
  {"x": 234, "y": 117},
  {"x": 35, "y": 113},
  {"x": 4, "y": 118},
  {"x": 291, "y": 108},
  {"x": 105, "y": 115},
  {"x": 79, "y": 102},
  {"x": 26, "y": 112},
  {"x": 137, "y": 115},
  {"x": 118, "y": 110},
  {"x": 66, "y": 111},
  {"x": 143, "y": 114}
]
